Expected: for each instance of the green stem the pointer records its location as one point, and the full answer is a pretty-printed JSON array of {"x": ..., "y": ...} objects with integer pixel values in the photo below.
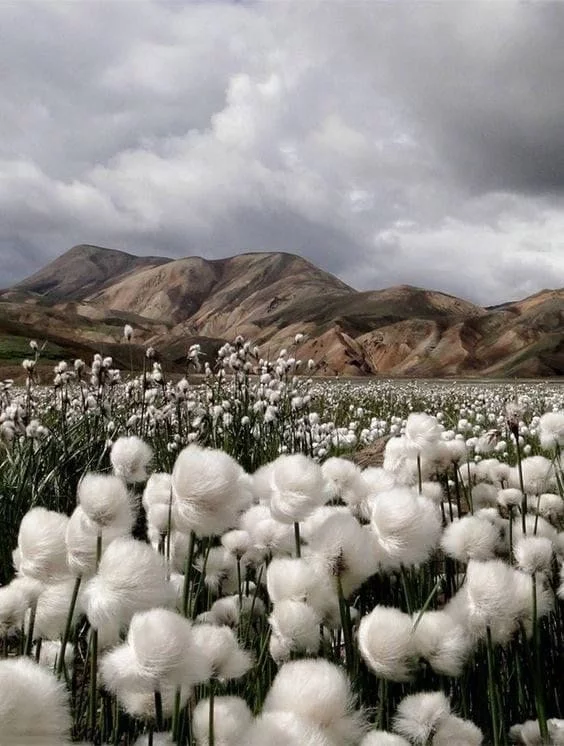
[
  {"x": 539, "y": 689},
  {"x": 29, "y": 639},
  {"x": 345, "y": 624},
  {"x": 68, "y": 625},
  {"x": 211, "y": 734},
  {"x": 297, "y": 539},
  {"x": 491, "y": 688},
  {"x": 187, "y": 573}
]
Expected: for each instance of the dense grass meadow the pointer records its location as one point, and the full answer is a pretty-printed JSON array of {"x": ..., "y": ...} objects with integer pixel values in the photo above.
[{"x": 204, "y": 563}]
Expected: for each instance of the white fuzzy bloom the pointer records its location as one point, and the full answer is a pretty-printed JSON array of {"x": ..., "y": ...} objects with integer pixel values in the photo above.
[
  {"x": 550, "y": 506},
  {"x": 535, "y": 526},
  {"x": 158, "y": 490},
  {"x": 33, "y": 704},
  {"x": 82, "y": 537},
  {"x": 443, "y": 643},
  {"x": 533, "y": 553},
  {"x": 141, "y": 704},
  {"x": 551, "y": 429},
  {"x": 484, "y": 495},
  {"x": 220, "y": 570},
  {"x": 295, "y": 628},
  {"x": 395, "y": 456},
  {"x": 228, "y": 610},
  {"x": 454, "y": 730},
  {"x": 300, "y": 580},
  {"x": 406, "y": 527},
  {"x": 231, "y": 717},
  {"x": 224, "y": 658},
  {"x": 298, "y": 487},
  {"x": 470, "y": 538},
  {"x": 266, "y": 533},
  {"x": 130, "y": 456},
  {"x": 105, "y": 500},
  {"x": 128, "y": 332},
  {"x": 345, "y": 481},
  {"x": 208, "y": 494},
  {"x": 382, "y": 738},
  {"x": 510, "y": 497},
  {"x": 237, "y": 542},
  {"x": 528, "y": 733},
  {"x": 131, "y": 577},
  {"x": 319, "y": 692},
  {"x": 422, "y": 433},
  {"x": 342, "y": 546},
  {"x": 15, "y": 599},
  {"x": 285, "y": 729},
  {"x": 387, "y": 644},
  {"x": 41, "y": 545},
  {"x": 538, "y": 475},
  {"x": 52, "y": 610},
  {"x": 419, "y": 715}
]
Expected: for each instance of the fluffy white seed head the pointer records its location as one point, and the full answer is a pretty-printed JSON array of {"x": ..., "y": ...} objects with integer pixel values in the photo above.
[
  {"x": 406, "y": 527},
  {"x": 551, "y": 429},
  {"x": 298, "y": 487},
  {"x": 419, "y": 715},
  {"x": 455, "y": 730},
  {"x": 131, "y": 577},
  {"x": 237, "y": 542},
  {"x": 386, "y": 642},
  {"x": 538, "y": 475},
  {"x": 14, "y": 602},
  {"x": 285, "y": 729},
  {"x": 382, "y": 738},
  {"x": 130, "y": 456},
  {"x": 422, "y": 433},
  {"x": 82, "y": 535},
  {"x": 218, "y": 645},
  {"x": 231, "y": 717},
  {"x": 443, "y": 643},
  {"x": 510, "y": 497},
  {"x": 533, "y": 553},
  {"x": 33, "y": 703},
  {"x": 470, "y": 538},
  {"x": 320, "y": 692},
  {"x": 105, "y": 500},
  {"x": 344, "y": 480},
  {"x": 295, "y": 628},
  {"x": 300, "y": 580},
  {"x": 52, "y": 609},
  {"x": 158, "y": 490},
  {"x": 208, "y": 498},
  {"x": 41, "y": 545}
]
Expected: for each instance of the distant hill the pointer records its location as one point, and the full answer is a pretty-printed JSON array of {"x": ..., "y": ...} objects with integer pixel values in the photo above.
[{"x": 80, "y": 302}]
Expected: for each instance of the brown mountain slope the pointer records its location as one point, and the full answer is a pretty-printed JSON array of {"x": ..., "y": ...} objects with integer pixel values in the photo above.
[
  {"x": 89, "y": 293},
  {"x": 83, "y": 270}
]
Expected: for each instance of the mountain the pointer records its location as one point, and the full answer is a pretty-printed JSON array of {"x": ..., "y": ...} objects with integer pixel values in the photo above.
[{"x": 80, "y": 302}]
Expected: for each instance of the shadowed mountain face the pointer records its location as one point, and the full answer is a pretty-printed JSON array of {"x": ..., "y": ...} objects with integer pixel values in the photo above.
[{"x": 80, "y": 302}]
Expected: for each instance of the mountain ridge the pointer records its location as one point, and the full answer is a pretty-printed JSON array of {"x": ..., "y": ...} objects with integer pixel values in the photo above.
[{"x": 86, "y": 295}]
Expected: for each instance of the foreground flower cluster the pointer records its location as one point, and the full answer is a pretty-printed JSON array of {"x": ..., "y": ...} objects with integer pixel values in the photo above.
[{"x": 306, "y": 603}]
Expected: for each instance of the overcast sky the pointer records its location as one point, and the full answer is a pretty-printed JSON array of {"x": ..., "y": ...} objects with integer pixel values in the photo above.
[{"x": 388, "y": 142}]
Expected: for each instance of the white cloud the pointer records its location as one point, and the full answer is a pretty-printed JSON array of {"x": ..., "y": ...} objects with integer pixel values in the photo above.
[{"x": 351, "y": 133}]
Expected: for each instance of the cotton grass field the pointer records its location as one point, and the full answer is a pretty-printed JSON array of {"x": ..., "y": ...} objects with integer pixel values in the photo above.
[{"x": 203, "y": 563}]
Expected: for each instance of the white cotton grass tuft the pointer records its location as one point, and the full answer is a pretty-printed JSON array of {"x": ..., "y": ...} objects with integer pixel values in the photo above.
[
  {"x": 130, "y": 457},
  {"x": 50, "y": 652},
  {"x": 538, "y": 475},
  {"x": 422, "y": 433},
  {"x": 229, "y": 610},
  {"x": 141, "y": 704},
  {"x": 267, "y": 534},
  {"x": 510, "y": 497},
  {"x": 550, "y": 506},
  {"x": 298, "y": 487},
  {"x": 300, "y": 580},
  {"x": 295, "y": 629},
  {"x": 220, "y": 649},
  {"x": 344, "y": 481},
  {"x": 340, "y": 546},
  {"x": 52, "y": 609},
  {"x": 383, "y": 738},
  {"x": 320, "y": 692},
  {"x": 208, "y": 494},
  {"x": 484, "y": 495},
  {"x": 33, "y": 704},
  {"x": 454, "y": 730},
  {"x": 535, "y": 526},
  {"x": 284, "y": 729},
  {"x": 237, "y": 542},
  {"x": 82, "y": 535},
  {"x": 220, "y": 570},
  {"x": 533, "y": 553},
  {"x": 131, "y": 577},
  {"x": 105, "y": 500},
  {"x": 15, "y": 599},
  {"x": 528, "y": 733},
  {"x": 419, "y": 715},
  {"x": 470, "y": 538},
  {"x": 387, "y": 644},
  {"x": 443, "y": 643},
  {"x": 231, "y": 717},
  {"x": 551, "y": 430},
  {"x": 157, "y": 501},
  {"x": 406, "y": 527},
  {"x": 41, "y": 545}
]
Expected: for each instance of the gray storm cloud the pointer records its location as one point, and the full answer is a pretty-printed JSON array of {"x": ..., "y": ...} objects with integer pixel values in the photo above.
[{"x": 388, "y": 143}]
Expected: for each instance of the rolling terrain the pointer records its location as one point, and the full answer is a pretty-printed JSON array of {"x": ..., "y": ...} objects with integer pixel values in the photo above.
[{"x": 79, "y": 304}]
